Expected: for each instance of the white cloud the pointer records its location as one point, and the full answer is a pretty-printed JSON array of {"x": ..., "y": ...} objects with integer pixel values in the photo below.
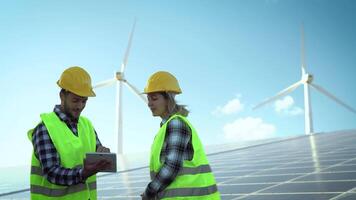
[
  {"x": 244, "y": 129},
  {"x": 296, "y": 111},
  {"x": 233, "y": 106},
  {"x": 286, "y": 106}
]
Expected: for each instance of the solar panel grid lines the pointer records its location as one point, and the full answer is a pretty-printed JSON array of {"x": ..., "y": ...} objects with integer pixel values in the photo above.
[
  {"x": 350, "y": 194},
  {"x": 289, "y": 196},
  {"x": 321, "y": 166},
  {"x": 272, "y": 186},
  {"x": 248, "y": 175},
  {"x": 231, "y": 167}
]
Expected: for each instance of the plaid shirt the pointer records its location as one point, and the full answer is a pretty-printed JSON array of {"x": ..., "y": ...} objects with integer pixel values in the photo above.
[
  {"x": 177, "y": 147},
  {"x": 48, "y": 156}
]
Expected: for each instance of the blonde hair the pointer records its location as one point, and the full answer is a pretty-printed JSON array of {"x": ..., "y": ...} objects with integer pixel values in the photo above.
[{"x": 173, "y": 107}]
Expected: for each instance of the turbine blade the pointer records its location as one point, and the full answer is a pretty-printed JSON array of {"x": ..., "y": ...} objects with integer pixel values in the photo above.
[
  {"x": 135, "y": 91},
  {"x": 105, "y": 83},
  {"x": 124, "y": 62},
  {"x": 279, "y": 94},
  {"x": 328, "y": 94},
  {"x": 302, "y": 50}
]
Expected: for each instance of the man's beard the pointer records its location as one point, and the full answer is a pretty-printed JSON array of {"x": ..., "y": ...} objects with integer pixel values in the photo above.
[{"x": 68, "y": 113}]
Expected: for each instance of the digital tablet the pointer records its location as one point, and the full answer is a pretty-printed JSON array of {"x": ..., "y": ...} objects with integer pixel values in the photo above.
[{"x": 92, "y": 157}]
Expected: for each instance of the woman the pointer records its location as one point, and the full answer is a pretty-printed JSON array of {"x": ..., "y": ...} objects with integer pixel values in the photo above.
[{"x": 179, "y": 168}]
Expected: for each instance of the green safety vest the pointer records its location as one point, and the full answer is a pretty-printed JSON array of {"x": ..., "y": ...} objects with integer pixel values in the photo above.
[
  {"x": 195, "y": 180},
  {"x": 72, "y": 150}
]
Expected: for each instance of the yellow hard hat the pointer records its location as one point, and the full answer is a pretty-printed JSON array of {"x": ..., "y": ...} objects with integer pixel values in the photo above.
[
  {"x": 76, "y": 80},
  {"x": 162, "y": 82}
]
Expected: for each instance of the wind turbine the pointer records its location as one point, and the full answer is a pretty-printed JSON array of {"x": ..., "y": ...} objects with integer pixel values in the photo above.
[
  {"x": 119, "y": 79},
  {"x": 306, "y": 80}
]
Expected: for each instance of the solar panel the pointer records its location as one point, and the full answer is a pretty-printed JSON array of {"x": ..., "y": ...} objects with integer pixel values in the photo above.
[{"x": 321, "y": 166}]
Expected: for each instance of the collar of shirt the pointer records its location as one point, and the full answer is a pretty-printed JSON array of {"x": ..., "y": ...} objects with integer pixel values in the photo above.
[
  {"x": 164, "y": 120},
  {"x": 63, "y": 116}
]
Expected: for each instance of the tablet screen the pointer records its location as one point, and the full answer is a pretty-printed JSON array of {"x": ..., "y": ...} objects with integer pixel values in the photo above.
[{"x": 93, "y": 157}]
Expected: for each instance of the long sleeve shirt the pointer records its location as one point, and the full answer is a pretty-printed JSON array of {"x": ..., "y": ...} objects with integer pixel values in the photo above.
[
  {"x": 48, "y": 156},
  {"x": 177, "y": 147}
]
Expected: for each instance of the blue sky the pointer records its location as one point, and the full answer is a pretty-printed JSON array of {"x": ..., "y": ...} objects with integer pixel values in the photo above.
[{"x": 227, "y": 56}]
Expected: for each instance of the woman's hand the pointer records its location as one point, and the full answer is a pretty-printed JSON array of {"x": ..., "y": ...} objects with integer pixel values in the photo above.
[
  {"x": 103, "y": 149},
  {"x": 144, "y": 197}
]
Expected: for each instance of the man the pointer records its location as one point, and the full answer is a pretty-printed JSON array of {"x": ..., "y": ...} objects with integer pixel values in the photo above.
[{"x": 60, "y": 142}]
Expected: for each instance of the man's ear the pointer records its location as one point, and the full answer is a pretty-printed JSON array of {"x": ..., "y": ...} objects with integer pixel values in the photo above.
[{"x": 62, "y": 95}]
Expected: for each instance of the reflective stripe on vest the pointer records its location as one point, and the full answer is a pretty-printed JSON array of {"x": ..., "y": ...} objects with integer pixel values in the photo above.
[
  {"x": 183, "y": 192},
  {"x": 195, "y": 179},
  {"x": 189, "y": 170},
  {"x": 59, "y": 192},
  {"x": 71, "y": 150}
]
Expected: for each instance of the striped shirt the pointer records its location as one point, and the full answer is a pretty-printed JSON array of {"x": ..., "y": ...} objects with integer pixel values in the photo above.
[
  {"x": 177, "y": 147},
  {"x": 48, "y": 156}
]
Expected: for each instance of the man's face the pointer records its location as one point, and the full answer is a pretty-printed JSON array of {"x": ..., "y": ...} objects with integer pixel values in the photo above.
[{"x": 73, "y": 104}]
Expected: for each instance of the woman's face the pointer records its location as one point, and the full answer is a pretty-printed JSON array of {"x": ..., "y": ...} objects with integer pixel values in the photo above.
[{"x": 157, "y": 103}]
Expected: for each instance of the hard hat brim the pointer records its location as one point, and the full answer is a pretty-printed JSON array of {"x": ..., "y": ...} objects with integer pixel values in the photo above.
[
  {"x": 89, "y": 93},
  {"x": 167, "y": 91}
]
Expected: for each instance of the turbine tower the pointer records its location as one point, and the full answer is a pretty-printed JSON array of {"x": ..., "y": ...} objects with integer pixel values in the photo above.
[
  {"x": 306, "y": 80},
  {"x": 119, "y": 79}
]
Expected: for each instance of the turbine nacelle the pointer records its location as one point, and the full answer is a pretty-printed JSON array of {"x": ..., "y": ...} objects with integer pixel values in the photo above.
[
  {"x": 119, "y": 76},
  {"x": 307, "y": 78}
]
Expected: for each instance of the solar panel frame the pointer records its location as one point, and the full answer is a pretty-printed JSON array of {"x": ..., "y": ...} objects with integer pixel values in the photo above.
[{"x": 320, "y": 166}]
